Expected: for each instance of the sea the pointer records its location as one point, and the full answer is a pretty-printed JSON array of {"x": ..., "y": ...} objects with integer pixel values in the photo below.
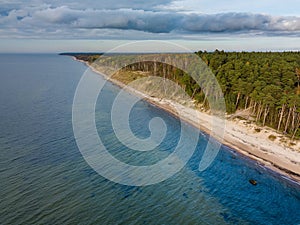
[{"x": 44, "y": 178}]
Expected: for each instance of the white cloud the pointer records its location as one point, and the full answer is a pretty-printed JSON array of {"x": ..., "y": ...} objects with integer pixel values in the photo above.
[{"x": 47, "y": 21}]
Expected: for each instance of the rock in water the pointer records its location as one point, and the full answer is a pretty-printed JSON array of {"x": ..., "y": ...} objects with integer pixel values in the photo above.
[{"x": 253, "y": 182}]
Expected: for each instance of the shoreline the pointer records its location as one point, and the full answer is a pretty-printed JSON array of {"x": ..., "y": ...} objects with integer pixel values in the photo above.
[{"x": 238, "y": 135}]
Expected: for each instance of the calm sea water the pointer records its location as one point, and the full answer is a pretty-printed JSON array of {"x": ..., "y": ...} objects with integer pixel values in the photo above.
[{"x": 45, "y": 180}]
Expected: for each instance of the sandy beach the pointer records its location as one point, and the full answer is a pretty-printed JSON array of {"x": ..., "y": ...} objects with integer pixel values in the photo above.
[{"x": 278, "y": 153}]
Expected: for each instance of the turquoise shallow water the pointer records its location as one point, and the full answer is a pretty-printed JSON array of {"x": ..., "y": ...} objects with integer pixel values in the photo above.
[{"x": 45, "y": 180}]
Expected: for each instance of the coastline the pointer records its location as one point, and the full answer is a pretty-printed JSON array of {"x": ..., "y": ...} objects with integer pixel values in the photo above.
[{"x": 239, "y": 135}]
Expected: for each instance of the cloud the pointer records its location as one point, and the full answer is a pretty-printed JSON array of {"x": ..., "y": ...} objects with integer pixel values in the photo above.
[
  {"x": 87, "y": 4},
  {"x": 64, "y": 21},
  {"x": 239, "y": 22},
  {"x": 125, "y": 19}
]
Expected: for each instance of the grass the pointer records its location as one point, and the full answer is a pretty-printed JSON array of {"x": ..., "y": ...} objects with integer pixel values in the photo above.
[
  {"x": 128, "y": 76},
  {"x": 272, "y": 137},
  {"x": 257, "y": 130}
]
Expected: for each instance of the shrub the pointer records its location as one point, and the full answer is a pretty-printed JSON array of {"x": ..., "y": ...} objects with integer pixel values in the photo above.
[{"x": 272, "y": 137}]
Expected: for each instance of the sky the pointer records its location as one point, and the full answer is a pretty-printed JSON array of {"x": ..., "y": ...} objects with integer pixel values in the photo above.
[{"x": 99, "y": 25}]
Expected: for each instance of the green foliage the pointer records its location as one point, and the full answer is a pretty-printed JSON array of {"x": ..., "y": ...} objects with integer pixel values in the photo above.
[{"x": 266, "y": 82}]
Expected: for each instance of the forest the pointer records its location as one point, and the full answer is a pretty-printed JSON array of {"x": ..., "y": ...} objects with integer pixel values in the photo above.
[{"x": 266, "y": 85}]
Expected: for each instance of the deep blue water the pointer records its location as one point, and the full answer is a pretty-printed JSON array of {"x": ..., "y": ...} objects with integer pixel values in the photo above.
[{"x": 45, "y": 180}]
